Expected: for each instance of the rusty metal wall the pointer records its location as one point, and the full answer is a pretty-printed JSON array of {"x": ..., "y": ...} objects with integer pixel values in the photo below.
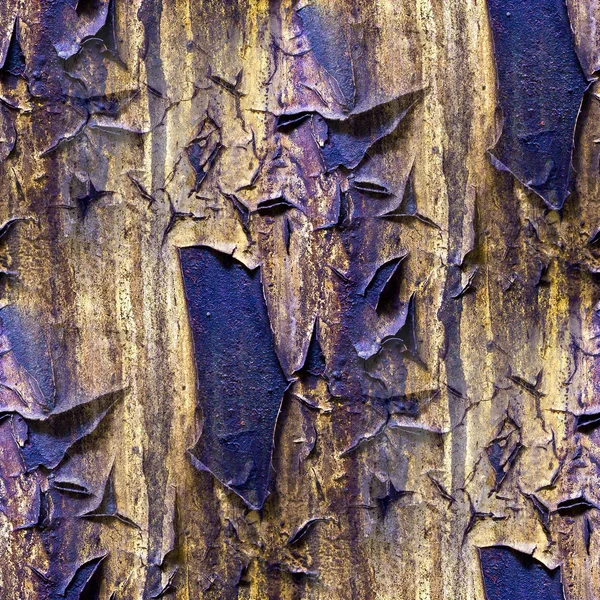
[{"x": 299, "y": 299}]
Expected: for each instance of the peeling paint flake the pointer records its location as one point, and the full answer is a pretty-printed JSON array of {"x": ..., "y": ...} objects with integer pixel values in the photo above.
[
  {"x": 239, "y": 378},
  {"x": 540, "y": 86}
]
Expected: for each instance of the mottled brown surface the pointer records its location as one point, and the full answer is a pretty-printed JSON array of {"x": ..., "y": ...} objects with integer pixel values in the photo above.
[{"x": 130, "y": 129}]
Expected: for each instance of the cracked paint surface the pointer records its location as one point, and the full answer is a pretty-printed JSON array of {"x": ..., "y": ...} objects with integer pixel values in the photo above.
[{"x": 395, "y": 392}]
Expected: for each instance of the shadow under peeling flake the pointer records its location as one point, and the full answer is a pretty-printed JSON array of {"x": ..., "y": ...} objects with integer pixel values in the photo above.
[
  {"x": 203, "y": 150},
  {"x": 77, "y": 587},
  {"x": 239, "y": 378},
  {"x": 541, "y": 85},
  {"x": 503, "y": 450},
  {"x": 14, "y": 62},
  {"x": 512, "y": 575},
  {"x": 314, "y": 363},
  {"x": 72, "y": 581},
  {"x": 381, "y": 288},
  {"x": 106, "y": 509}
]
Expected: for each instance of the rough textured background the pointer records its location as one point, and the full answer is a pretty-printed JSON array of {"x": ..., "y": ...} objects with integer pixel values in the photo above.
[{"x": 358, "y": 213}]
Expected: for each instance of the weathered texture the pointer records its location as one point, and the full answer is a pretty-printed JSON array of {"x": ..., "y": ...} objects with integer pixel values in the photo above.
[{"x": 395, "y": 393}]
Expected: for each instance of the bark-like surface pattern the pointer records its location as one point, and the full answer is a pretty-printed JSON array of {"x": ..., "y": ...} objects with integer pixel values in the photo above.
[{"x": 299, "y": 299}]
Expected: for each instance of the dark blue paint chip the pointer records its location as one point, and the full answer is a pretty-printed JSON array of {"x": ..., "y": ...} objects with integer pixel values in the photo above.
[
  {"x": 240, "y": 383},
  {"x": 512, "y": 575},
  {"x": 30, "y": 347},
  {"x": 331, "y": 49},
  {"x": 541, "y": 85}
]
